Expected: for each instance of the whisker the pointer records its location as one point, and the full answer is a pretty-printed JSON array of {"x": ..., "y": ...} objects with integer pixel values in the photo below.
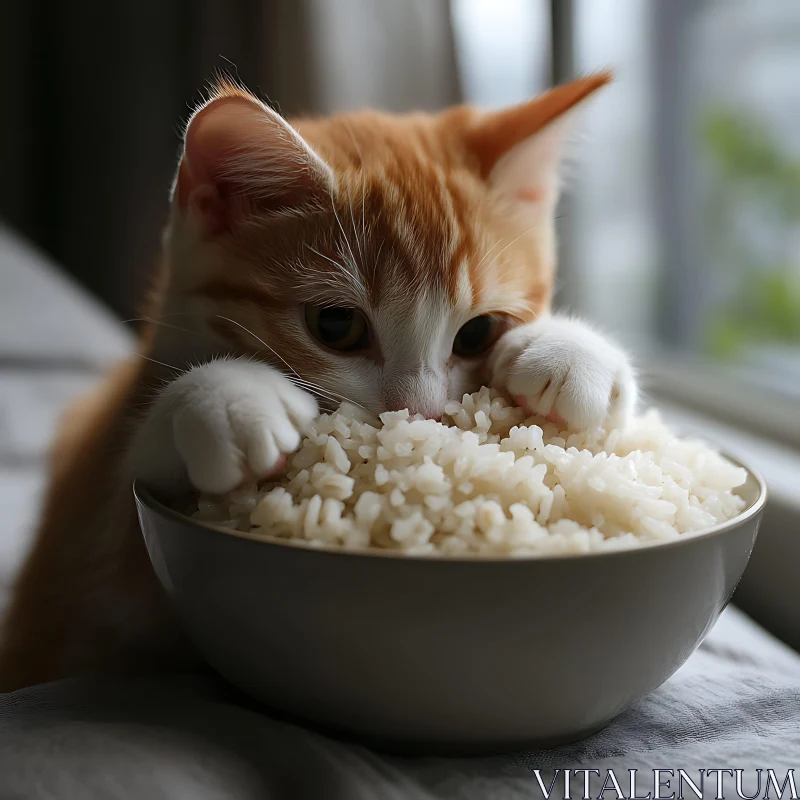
[
  {"x": 355, "y": 143},
  {"x": 332, "y": 395},
  {"x": 363, "y": 205},
  {"x": 515, "y": 239},
  {"x": 486, "y": 254},
  {"x": 176, "y": 370},
  {"x": 332, "y": 398},
  {"x": 258, "y": 339},
  {"x": 335, "y": 264},
  {"x": 363, "y": 189},
  {"x": 298, "y": 380},
  {"x": 380, "y": 250},
  {"x": 314, "y": 388},
  {"x": 355, "y": 232},
  {"x": 353, "y": 223},
  {"x": 152, "y": 321},
  {"x": 344, "y": 235}
]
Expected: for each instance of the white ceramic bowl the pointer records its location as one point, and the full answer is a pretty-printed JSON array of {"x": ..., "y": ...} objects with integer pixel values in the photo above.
[{"x": 465, "y": 654}]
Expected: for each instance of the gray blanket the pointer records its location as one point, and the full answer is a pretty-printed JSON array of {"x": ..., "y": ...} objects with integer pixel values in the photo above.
[{"x": 734, "y": 705}]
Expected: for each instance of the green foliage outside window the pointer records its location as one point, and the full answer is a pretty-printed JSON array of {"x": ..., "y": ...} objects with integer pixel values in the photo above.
[{"x": 752, "y": 172}]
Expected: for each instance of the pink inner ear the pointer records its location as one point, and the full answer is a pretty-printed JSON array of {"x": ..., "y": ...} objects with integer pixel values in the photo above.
[
  {"x": 213, "y": 135},
  {"x": 210, "y": 208},
  {"x": 240, "y": 157},
  {"x": 530, "y": 195},
  {"x": 497, "y": 133}
]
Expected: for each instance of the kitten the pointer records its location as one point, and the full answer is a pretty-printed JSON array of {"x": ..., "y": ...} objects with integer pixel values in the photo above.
[{"x": 396, "y": 261}]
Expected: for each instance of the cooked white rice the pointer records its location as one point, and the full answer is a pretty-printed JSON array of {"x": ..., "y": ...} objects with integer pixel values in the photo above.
[{"x": 485, "y": 481}]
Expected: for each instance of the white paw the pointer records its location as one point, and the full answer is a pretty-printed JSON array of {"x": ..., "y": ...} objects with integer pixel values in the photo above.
[
  {"x": 221, "y": 424},
  {"x": 561, "y": 369}
]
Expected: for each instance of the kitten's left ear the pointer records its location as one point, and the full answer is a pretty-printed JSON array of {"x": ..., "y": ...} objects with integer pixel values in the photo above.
[
  {"x": 240, "y": 157},
  {"x": 519, "y": 149}
]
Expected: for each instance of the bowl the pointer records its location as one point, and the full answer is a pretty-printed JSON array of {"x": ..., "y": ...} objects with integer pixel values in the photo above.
[{"x": 425, "y": 653}]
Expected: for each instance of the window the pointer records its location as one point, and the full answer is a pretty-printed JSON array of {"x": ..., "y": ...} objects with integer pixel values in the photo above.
[{"x": 682, "y": 231}]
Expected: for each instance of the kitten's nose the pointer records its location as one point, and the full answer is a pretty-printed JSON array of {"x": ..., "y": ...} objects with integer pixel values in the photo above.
[
  {"x": 418, "y": 408},
  {"x": 419, "y": 389}
]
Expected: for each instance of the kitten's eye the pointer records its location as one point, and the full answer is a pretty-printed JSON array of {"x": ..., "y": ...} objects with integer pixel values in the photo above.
[
  {"x": 338, "y": 328},
  {"x": 477, "y": 335}
]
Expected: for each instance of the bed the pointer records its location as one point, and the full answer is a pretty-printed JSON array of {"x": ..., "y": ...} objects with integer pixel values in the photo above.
[{"x": 734, "y": 705}]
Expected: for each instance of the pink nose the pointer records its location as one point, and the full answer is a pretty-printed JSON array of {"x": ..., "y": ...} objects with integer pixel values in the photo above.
[{"x": 428, "y": 413}]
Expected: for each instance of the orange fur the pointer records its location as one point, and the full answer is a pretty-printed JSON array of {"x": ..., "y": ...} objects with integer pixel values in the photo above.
[
  {"x": 412, "y": 195},
  {"x": 86, "y": 597}
]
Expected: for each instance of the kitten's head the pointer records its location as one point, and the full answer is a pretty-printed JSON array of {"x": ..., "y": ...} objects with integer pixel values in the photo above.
[{"x": 379, "y": 257}]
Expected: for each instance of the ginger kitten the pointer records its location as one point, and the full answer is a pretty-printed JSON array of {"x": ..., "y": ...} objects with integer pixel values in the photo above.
[{"x": 397, "y": 261}]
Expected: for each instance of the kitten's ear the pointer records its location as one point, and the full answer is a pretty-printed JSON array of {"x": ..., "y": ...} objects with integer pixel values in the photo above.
[
  {"x": 519, "y": 149},
  {"x": 240, "y": 157}
]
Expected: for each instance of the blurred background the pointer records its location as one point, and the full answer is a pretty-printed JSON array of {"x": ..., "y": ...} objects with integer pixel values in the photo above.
[{"x": 680, "y": 234}]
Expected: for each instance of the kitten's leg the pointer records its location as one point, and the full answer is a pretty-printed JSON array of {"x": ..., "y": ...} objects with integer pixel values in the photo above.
[
  {"x": 561, "y": 369},
  {"x": 87, "y": 598}
]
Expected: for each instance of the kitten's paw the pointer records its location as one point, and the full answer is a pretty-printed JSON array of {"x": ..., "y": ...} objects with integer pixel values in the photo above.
[
  {"x": 561, "y": 369},
  {"x": 222, "y": 424}
]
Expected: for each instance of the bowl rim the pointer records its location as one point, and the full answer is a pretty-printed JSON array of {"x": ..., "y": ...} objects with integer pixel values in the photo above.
[{"x": 145, "y": 497}]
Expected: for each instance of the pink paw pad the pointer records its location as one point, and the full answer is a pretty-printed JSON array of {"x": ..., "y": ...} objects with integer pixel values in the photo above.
[
  {"x": 553, "y": 416},
  {"x": 269, "y": 475},
  {"x": 277, "y": 469}
]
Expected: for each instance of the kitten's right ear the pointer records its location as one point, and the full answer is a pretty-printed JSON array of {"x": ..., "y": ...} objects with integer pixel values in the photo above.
[
  {"x": 240, "y": 158},
  {"x": 519, "y": 149}
]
